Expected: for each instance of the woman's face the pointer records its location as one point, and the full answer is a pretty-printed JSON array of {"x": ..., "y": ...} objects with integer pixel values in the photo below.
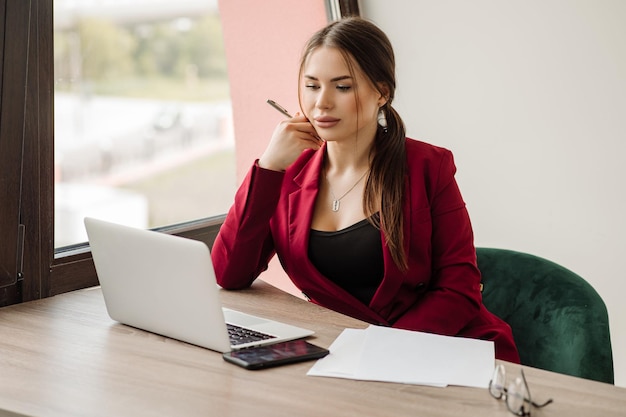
[{"x": 329, "y": 97}]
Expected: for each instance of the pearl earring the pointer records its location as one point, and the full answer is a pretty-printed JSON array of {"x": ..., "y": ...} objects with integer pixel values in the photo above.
[{"x": 382, "y": 120}]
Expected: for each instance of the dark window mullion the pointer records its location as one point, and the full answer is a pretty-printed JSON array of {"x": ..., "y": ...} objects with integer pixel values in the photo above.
[{"x": 15, "y": 16}]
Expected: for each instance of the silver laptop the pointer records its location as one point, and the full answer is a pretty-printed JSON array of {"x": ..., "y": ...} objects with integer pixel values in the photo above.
[{"x": 166, "y": 284}]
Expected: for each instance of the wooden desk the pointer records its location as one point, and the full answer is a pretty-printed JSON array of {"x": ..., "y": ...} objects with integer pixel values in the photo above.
[{"x": 63, "y": 356}]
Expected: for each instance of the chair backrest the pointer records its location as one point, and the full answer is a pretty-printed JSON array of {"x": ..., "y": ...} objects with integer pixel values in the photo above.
[{"x": 559, "y": 321}]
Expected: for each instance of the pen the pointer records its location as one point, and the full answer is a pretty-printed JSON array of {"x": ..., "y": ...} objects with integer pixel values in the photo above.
[{"x": 279, "y": 108}]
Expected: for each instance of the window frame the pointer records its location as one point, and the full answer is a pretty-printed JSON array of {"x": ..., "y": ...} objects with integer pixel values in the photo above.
[
  {"x": 19, "y": 162},
  {"x": 39, "y": 269}
]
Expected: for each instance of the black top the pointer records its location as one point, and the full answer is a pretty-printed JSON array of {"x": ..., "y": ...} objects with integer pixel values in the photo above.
[{"x": 351, "y": 257}]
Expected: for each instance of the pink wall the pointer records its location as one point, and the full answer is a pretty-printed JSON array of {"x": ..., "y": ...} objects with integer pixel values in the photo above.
[{"x": 263, "y": 40}]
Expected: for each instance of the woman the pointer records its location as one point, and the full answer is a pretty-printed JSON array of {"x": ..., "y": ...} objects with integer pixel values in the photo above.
[{"x": 364, "y": 220}]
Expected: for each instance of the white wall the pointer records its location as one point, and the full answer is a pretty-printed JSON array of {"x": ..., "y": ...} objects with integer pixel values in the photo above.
[{"x": 531, "y": 98}]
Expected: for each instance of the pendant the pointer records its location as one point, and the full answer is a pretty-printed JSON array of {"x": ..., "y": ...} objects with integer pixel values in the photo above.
[{"x": 335, "y": 205}]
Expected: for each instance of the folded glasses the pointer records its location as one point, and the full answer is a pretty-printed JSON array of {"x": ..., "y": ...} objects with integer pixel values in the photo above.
[{"x": 517, "y": 395}]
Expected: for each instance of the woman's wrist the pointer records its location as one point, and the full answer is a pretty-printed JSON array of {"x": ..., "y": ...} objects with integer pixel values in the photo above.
[{"x": 269, "y": 165}]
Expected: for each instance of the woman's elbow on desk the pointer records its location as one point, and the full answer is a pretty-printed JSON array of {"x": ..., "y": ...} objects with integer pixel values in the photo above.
[
  {"x": 229, "y": 280},
  {"x": 228, "y": 274},
  {"x": 231, "y": 276}
]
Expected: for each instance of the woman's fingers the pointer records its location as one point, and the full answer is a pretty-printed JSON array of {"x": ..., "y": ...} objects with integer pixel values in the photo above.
[{"x": 290, "y": 138}]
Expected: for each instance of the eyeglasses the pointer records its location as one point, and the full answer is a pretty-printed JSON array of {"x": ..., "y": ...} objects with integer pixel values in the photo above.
[{"x": 517, "y": 395}]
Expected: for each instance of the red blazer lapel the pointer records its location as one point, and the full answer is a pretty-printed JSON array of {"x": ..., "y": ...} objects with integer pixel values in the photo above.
[{"x": 301, "y": 202}]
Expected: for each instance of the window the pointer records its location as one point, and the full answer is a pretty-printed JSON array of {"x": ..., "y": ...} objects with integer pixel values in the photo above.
[
  {"x": 30, "y": 267},
  {"x": 142, "y": 117}
]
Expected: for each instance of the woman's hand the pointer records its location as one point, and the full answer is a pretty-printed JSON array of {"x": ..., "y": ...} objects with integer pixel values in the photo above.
[{"x": 290, "y": 138}]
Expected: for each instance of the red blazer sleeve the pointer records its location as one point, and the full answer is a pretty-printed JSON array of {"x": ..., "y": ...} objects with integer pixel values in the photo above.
[
  {"x": 244, "y": 246},
  {"x": 452, "y": 295}
]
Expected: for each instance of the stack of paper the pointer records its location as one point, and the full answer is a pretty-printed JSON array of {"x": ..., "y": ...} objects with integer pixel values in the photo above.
[{"x": 394, "y": 355}]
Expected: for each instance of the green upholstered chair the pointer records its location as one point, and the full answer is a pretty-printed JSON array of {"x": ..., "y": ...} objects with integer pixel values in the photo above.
[{"x": 559, "y": 321}]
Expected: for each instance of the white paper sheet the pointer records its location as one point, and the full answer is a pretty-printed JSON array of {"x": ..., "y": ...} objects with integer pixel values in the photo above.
[
  {"x": 345, "y": 353},
  {"x": 394, "y": 355}
]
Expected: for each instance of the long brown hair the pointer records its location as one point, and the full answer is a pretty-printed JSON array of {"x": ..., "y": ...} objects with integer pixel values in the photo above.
[{"x": 363, "y": 43}]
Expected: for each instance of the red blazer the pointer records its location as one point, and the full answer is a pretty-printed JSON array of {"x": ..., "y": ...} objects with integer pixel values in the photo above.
[{"x": 440, "y": 291}]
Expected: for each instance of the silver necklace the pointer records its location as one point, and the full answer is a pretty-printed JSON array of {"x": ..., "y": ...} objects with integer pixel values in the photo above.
[{"x": 337, "y": 201}]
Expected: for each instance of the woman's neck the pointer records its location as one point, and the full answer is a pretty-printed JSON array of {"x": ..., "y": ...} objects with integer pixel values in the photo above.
[{"x": 351, "y": 156}]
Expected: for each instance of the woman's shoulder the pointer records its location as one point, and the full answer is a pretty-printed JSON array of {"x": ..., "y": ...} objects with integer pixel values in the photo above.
[
  {"x": 426, "y": 154},
  {"x": 416, "y": 147},
  {"x": 429, "y": 162}
]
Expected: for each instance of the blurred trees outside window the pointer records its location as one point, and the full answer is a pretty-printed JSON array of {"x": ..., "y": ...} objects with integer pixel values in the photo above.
[{"x": 143, "y": 126}]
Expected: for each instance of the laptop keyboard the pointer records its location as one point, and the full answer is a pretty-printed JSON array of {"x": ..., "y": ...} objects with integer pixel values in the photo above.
[{"x": 240, "y": 335}]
